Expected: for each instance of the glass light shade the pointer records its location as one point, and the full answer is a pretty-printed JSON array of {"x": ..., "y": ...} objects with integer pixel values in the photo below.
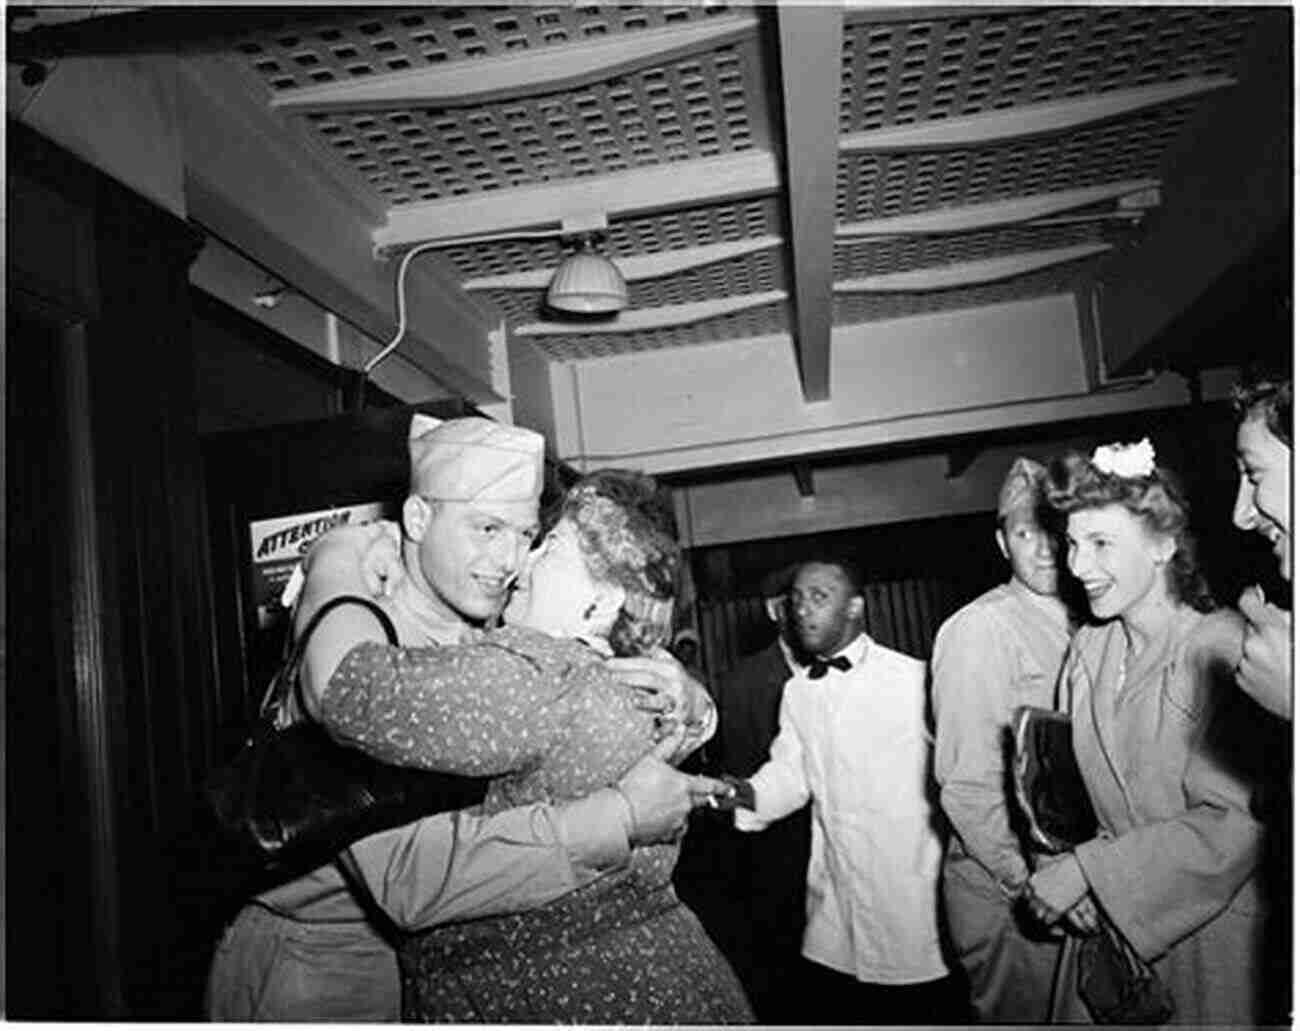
[{"x": 587, "y": 282}]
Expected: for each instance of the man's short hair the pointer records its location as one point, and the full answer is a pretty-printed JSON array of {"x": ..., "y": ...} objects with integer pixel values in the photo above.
[
  {"x": 846, "y": 564},
  {"x": 1269, "y": 394}
]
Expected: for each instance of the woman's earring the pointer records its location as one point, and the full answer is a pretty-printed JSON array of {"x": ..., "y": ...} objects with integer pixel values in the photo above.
[{"x": 591, "y": 611}]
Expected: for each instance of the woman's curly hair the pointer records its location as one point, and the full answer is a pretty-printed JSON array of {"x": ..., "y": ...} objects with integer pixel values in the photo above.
[
  {"x": 1074, "y": 483},
  {"x": 625, "y": 522}
]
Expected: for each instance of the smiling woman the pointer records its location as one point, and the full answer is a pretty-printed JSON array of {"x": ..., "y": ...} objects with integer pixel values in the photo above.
[{"x": 1162, "y": 748}]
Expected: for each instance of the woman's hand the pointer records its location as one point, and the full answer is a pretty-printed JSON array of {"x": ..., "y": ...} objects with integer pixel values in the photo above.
[
  {"x": 1084, "y": 917},
  {"x": 664, "y": 687},
  {"x": 1055, "y": 888}
]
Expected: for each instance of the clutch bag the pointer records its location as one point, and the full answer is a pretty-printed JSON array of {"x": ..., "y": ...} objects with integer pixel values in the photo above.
[{"x": 1048, "y": 785}]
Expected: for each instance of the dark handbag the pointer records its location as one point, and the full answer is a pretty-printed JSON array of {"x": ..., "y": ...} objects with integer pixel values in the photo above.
[
  {"x": 294, "y": 797},
  {"x": 1048, "y": 785},
  {"x": 1116, "y": 984}
]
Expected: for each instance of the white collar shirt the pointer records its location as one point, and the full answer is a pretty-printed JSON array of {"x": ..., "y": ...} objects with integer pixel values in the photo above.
[{"x": 855, "y": 743}]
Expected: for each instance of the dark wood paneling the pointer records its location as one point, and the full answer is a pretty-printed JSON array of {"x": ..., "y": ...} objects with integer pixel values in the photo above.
[{"x": 123, "y": 542}]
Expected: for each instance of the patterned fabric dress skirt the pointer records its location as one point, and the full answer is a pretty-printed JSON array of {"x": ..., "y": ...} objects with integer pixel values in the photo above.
[{"x": 620, "y": 955}]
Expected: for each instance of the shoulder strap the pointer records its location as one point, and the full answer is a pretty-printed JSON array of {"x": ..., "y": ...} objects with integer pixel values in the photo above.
[{"x": 287, "y": 678}]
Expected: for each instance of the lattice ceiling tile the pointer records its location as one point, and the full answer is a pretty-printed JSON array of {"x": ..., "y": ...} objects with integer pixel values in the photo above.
[
  {"x": 932, "y": 69},
  {"x": 691, "y": 107},
  {"x": 355, "y": 43},
  {"x": 860, "y": 258},
  {"x": 878, "y": 185},
  {"x": 762, "y": 321},
  {"x": 851, "y": 309},
  {"x": 627, "y": 237}
]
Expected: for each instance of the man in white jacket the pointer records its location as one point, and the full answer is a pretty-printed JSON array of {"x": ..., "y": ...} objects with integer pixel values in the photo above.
[{"x": 853, "y": 739}]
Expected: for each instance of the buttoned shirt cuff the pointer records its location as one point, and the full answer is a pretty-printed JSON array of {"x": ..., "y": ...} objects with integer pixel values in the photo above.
[{"x": 595, "y": 831}]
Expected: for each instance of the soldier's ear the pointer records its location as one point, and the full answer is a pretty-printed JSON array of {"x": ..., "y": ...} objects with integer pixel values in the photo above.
[
  {"x": 417, "y": 513},
  {"x": 1001, "y": 537}
]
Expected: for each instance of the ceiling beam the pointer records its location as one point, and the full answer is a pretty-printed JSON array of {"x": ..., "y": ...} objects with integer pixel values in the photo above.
[
  {"x": 995, "y": 213},
  {"x": 668, "y": 316},
  {"x": 673, "y": 184},
  {"x": 635, "y": 269},
  {"x": 811, "y": 42},
  {"x": 969, "y": 273},
  {"x": 1027, "y": 119},
  {"x": 517, "y": 74}
]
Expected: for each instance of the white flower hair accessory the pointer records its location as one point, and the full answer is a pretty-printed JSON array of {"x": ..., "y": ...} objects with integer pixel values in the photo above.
[{"x": 1127, "y": 460}]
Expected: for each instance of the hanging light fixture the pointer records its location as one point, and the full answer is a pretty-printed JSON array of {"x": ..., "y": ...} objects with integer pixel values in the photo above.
[{"x": 587, "y": 283}]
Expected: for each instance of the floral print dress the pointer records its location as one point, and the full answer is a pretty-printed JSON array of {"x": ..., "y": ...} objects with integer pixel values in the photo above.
[{"x": 542, "y": 717}]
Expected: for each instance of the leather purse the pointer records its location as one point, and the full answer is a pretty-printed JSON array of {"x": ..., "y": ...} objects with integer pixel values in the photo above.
[
  {"x": 293, "y": 797},
  {"x": 1048, "y": 784},
  {"x": 1116, "y": 984}
]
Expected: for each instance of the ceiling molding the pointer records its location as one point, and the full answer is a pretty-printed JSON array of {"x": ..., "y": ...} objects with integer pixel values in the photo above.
[
  {"x": 516, "y": 74},
  {"x": 966, "y": 273},
  {"x": 1027, "y": 119},
  {"x": 995, "y": 213},
  {"x": 635, "y": 269},
  {"x": 744, "y": 173},
  {"x": 640, "y": 319},
  {"x": 811, "y": 42}
]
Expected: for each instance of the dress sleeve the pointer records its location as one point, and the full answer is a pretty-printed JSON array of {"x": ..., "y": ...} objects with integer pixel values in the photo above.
[
  {"x": 476, "y": 709},
  {"x": 462, "y": 866},
  {"x": 971, "y": 678},
  {"x": 780, "y": 785},
  {"x": 1163, "y": 881}
]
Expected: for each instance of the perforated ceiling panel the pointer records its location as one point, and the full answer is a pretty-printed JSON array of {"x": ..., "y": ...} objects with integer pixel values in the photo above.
[
  {"x": 879, "y": 185},
  {"x": 629, "y": 237},
  {"x": 721, "y": 97},
  {"x": 850, "y": 309},
  {"x": 771, "y": 318},
  {"x": 311, "y": 51},
  {"x": 923, "y": 70},
  {"x": 855, "y": 260},
  {"x": 689, "y": 109}
]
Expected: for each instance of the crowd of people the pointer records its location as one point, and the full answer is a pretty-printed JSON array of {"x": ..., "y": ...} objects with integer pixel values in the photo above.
[{"x": 857, "y": 799}]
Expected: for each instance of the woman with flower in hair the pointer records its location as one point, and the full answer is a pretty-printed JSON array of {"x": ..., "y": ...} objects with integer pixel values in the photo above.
[
  {"x": 1157, "y": 734},
  {"x": 531, "y": 705}
]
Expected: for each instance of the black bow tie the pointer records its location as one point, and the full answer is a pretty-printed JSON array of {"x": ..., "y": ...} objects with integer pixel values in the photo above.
[{"x": 817, "y": 667}]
